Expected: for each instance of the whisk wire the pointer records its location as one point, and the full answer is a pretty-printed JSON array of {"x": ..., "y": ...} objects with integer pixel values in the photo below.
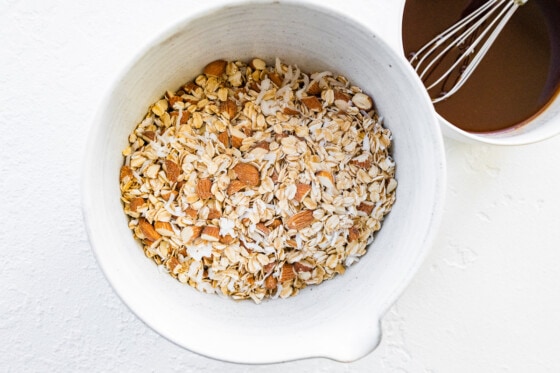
[
  {"x": 470, "y": 68},
  {"x": 480, "y": 27}
]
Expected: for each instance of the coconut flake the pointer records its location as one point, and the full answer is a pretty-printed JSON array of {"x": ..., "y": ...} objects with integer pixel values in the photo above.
[{"x": 197, "y": 252}]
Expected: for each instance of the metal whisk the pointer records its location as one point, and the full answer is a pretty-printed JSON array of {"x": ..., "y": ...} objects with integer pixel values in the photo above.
[{"x": 446, "y": 62}]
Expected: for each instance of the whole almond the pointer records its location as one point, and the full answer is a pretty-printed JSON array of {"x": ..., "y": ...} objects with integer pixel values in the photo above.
[
  {"x": 300, "y": 220},
  {"x": 203, "y": 188},
  {"x": 215, "y": 68},
  {"x": 312, "y": 103},
  {"x": 148, "y": 230},
  {"x": 172, "y": 170},
  {"x": 247, "y": 174}
]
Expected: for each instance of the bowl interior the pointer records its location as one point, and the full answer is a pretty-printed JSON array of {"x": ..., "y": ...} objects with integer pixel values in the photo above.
[{"x": 339, "y": 318}]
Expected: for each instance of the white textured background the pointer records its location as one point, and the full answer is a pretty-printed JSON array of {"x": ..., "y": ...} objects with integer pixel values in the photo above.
[{"x": 487, "y": 299}]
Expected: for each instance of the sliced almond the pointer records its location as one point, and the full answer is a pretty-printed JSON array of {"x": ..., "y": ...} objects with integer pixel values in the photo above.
[
  {"x": 353, "y": 234},
  {"x": 235, "y": 186},
  {"x": 190, "y": 233},
  {"x": 135, "y": 203},
  {"x": 276, "y": 79},
  {"x": 171, "y": 264},
  {"x": 247, "y": 174},
  {"x": 300, "y": 220},
  {"x": 338, "y": 95},
  {"x": 312, "y": 103},
  {"x": 300, "y": 267},
  {"x": 290, "y": 111},
  {"x": 292, "y": 243},
  {"x": 325, "y": 178},
  {"x": 288, "y": 273},
  {"x": 126, "y": 174},
  {"x": 301, "y": 191},
  {"x": 275, "y": 223},
  {"x": 215, "y": 68},
  {"x": 164, "y": 228},
  {"x": 210, "y": 233},
  {"x": 228, "y": 107},
  {"x": 203, "y": 188},
  {"x": 258, "y": 64},
  {"x": 366, "y": 207},
  {"x": 224, "y": 138},
  {"x": 314, "y": 89},
  {"x": 173, "y": 100},
  {"x": 263, "y": 144},
  {"x": 269, "y": 268},
  {"x": 263, "y": 228},
  {"x": 366, "y": 165},
  {"x": 191, "y": 213},
  {"x": 172, "y": 170},
  {"x": 149, "y": 135},
  {"x": 227, "y": 239},
  {"x": 148, "y": 230},
  {"x": 270, "y": 283},
  {"x": 160, "y": 107},
  {"x": 185, "y": 115},
  {"x": 167, "y": 194},
  {"x": 236, "y": 142},
  {"x": 190, "y": 87},
  {"x": 362, "y": 101},
  {"x": 214, "y": 214}
]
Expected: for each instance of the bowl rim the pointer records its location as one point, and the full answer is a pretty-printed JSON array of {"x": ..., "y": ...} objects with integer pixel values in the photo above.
[{"x": 95, "y": 131}]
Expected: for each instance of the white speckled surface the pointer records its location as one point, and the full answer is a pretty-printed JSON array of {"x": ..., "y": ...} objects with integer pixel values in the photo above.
[{"x": 486, "y": 299}]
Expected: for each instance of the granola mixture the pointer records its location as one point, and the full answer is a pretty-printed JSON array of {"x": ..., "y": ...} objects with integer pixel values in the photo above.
[{"x": 254, "y": 181}]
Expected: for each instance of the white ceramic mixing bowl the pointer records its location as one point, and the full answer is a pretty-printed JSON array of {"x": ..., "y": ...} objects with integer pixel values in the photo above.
[{"x": 338, "y": 319}]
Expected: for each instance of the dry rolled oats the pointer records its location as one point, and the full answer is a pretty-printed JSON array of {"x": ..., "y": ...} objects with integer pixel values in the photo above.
[{"x": 256, "y": 181}]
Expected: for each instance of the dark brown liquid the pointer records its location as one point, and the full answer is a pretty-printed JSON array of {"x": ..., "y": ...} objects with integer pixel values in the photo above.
[{"x": 516, "y": 79}]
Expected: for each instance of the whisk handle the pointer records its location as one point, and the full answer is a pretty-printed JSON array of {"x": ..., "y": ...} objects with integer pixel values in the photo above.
[{"x": 520, "y": 2}]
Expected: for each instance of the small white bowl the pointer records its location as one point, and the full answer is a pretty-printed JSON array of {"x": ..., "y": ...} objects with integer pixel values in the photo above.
[
  {"x": 541, "y": 126},
  {"x": 338, "y": 319}
]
